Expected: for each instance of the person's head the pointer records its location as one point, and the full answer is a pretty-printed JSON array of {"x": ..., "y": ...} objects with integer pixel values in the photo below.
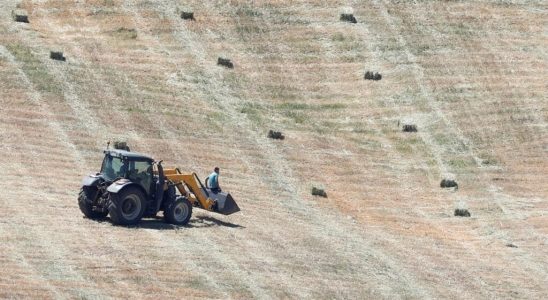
[{"x": 216, "y": 170}]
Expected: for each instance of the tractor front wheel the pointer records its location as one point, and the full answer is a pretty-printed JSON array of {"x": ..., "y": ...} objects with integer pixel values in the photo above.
[
  {"x": 86, "y": 205},
  {"x": 178, "y": 212},
  {"x": 127, "y": 206}
]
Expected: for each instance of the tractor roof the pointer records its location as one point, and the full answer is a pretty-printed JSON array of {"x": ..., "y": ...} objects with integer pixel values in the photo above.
[{"x": 128, "y": 155}]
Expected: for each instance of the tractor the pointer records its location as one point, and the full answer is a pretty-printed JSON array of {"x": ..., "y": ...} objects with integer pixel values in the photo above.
[{"x": 131, "y": 186}]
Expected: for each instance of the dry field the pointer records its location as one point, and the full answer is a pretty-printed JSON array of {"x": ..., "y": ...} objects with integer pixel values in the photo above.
[{"x": 472, "y": 75}]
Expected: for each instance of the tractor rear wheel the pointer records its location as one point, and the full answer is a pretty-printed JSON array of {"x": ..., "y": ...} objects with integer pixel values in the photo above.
[
  {"x": 127, "y": 206},
  {"x": 86, "y": 205},
  {"x": 178, "y": 212}
]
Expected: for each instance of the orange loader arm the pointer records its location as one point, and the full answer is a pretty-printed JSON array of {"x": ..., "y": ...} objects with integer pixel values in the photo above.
[{"x": 197, "y": 193}]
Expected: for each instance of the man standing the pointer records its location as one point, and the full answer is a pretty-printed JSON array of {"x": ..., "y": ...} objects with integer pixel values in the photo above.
[{"x": 212, "y": 181}]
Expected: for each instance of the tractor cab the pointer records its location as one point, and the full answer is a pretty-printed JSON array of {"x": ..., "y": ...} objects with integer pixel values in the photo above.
[{"x": 135, "y": 167}]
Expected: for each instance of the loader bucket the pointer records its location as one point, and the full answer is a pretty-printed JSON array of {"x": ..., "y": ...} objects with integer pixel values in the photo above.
[{"x": 225, "y": 203}]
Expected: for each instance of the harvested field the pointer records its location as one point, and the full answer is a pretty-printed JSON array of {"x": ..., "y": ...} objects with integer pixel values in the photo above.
[{"x": 471, "y": 75}]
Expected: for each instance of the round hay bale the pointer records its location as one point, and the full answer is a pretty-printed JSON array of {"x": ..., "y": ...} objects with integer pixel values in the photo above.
[
  {"x": 225, "y": 62},
  {"x": 348, "y": 18},
  {"x": 377, "y": 76},
  {"x": 409, "y": 128},
  {"x": 187, "y": 15},
  {"x": 448, "y": 183},
  {"x": 121, "y": 145},
  {"x": 277, "y": 135},
  {"x": 372, "y": 76},
  {"x": 57, "y": 55},
  {"x": 319, "y": 192},
  {"x": 20, "y": 15},
  {"x": 461, "y": 212}
]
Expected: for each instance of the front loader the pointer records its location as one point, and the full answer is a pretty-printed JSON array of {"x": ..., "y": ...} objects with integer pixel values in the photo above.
[{"x": 131, "y": 186}]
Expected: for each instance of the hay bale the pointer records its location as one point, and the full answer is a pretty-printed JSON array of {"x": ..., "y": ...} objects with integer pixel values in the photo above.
[
  {"x": 409, "y": 128},
  {"x": 121, "y": 145},
  {"x": 187, "y": 15},
  {"x": 348, "y": 18},
  {"x": 20, "y": 15},
  {"x": 448, "y": 183},
  {"x": 225, "y": 62},
  {"x": 318, "y": 192},
  {"x": 461, "y": 212},
  {"x": 277, "y": 135},
  {"x": 372, "y": 76},
  {"x": 57, "y": 55}
]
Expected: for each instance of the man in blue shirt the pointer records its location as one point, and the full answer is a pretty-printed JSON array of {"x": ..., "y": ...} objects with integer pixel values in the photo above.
[{"x": 212, "y": 181}]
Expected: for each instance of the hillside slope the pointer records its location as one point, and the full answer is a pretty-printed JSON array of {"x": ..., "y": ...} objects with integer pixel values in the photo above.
[{"x": 470, "y": 74}]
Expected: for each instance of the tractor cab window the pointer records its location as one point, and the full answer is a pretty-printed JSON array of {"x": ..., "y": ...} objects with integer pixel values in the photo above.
[
  {"x": 113, "y": 167},
  {"x": 141, "y": 173}
]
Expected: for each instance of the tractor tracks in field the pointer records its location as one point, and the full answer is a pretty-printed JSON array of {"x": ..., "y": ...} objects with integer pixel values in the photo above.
[
  {"x": 41, "y": 105},
  {"x": 289, "y": 247},
  {"x": 451, "y": 127},
  {"x": 57, "y": 254},
  {"x": 210, "y": 278},
  {"x": 322, "y": 226},
  {"x": 37, "y": 252},
  {"x": 59, "y": 258}
]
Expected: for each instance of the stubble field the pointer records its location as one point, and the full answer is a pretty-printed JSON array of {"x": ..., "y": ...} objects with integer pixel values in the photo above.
[{"x": 471, "y": 75}]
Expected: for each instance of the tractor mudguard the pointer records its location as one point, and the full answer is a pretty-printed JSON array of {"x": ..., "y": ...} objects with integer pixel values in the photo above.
[
  {"x": 119, "y": 184},
  {"x": 91, "y": 180}
]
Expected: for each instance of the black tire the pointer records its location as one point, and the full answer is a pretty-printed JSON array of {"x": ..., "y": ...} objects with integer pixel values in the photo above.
[
  {"x": 127, "y": 206},
  {"x": 178, "y": 212},
  {"x": 86, "y": 205}
]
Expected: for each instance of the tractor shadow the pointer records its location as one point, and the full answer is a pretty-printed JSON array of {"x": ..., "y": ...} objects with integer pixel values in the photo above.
[
  {"x": 158, "y": 223},
  {"x": 207, "y": 221}
]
